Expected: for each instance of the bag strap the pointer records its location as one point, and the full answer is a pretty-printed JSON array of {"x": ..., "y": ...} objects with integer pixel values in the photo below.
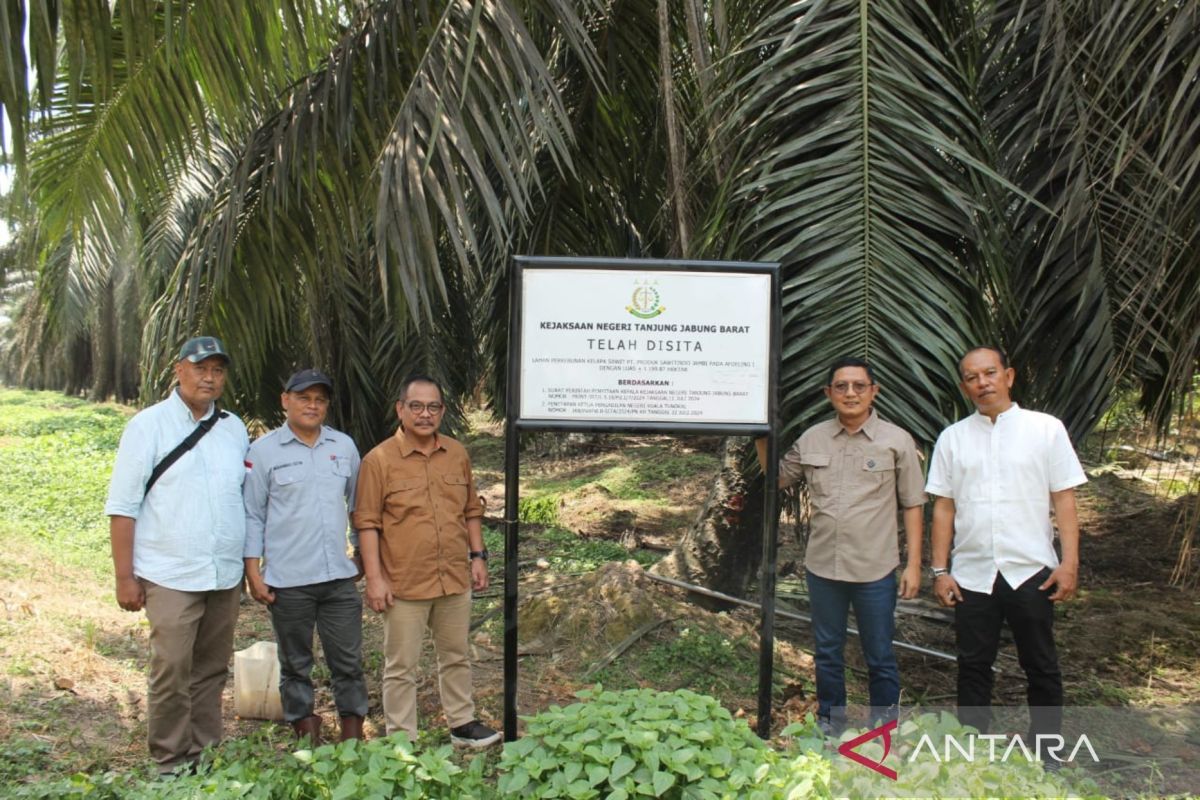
[{"x": 170, "y": 458}]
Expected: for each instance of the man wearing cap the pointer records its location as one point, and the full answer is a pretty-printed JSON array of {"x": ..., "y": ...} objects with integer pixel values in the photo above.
[
  {"x": 178, "y": 528},
  {"x": 299, "y": 483},
  {"x": 419, "y": 523}
]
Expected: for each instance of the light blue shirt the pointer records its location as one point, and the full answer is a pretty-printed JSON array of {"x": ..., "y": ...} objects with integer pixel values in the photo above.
[
  {"x": 190, "y": 529},
  {"x": 297, "y": 501}
]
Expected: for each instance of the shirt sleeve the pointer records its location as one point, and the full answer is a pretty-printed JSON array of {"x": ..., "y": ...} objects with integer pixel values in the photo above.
[
  {"x": 1065, "y": 470},
  {"x": 368, "y": 494},
  {"x": 790, "y": 468},
  {"x": 939, "y": 480},
  {"x": 909, "y": 481},
  {"x": 352, "y": 490},
  {"x": 473, "y": 507},
  {"x": 131, "y": 470},
  {"x": 255, "y": 496}
]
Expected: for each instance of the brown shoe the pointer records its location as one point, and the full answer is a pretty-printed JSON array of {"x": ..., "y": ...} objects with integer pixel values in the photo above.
[
  {"x": 310, "y": 726},
  {"x": 352, "y": 727}
]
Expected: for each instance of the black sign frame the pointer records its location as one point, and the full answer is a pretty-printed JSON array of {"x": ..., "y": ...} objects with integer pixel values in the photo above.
[{"x": 515, "y": 425}]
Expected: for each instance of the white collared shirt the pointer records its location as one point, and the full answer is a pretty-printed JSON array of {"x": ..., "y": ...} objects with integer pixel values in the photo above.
[
  {"x": 1000, "y": 476},
  {"x": 190, "y": 529}
]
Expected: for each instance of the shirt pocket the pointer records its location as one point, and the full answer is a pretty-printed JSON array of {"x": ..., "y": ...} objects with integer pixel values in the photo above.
[
  {"x": 454, "y": 489},
  {"x": 879, "y": 470},
  {"x": 338, "y": 467},
  {"x": 817, "y": 472},
  {"x": 403, "y": 495},
  {"x": 287, "y": 476}
]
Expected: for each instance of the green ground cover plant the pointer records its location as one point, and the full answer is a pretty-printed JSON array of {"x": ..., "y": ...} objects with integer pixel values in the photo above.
[
  {"x": 570, "y": 552},
  {"x": 636, "y": 743},
  {"x": 56, "y": 453},
  {"x": 56, "y": 459}
]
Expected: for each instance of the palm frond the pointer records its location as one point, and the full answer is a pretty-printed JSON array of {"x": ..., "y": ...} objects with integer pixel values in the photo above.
[{"x": 855, "y": 135}]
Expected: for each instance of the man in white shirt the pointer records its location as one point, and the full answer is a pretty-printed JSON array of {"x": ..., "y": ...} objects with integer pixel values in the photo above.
[
  {"x": 177, "y": 537},
  {"x": 995, "y": 476}
]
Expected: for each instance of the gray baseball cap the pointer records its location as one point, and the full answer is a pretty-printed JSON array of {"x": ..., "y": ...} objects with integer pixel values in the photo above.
[
  {"x": 306, "y": 378},
  {"x": 201, "y": 347}
]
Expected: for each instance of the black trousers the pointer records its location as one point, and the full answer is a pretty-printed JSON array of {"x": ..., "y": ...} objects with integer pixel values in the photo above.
[
  {"x": 1030, "y": 616},
  {"x": 334, "y": 608}
]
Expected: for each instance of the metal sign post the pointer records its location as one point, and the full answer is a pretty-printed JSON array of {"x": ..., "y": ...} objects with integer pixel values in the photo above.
[{"x": 640, "y": 346}]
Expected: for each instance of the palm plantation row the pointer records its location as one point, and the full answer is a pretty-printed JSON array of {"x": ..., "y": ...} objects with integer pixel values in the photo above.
[{"x": 345, "y": 183}]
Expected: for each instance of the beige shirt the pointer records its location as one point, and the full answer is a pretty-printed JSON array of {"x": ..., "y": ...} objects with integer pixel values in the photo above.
[
  {"x": 420, "y": 505},
  {"x": 858, "y": 483}
]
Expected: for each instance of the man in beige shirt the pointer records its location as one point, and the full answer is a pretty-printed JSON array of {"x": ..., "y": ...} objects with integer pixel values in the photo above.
[
  {"x": 420, "y": 533},
  {"x": 860, "y": 471}
]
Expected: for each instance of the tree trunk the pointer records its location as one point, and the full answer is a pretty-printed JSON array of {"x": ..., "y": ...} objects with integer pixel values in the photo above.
[{"x": 723, "y": 548}]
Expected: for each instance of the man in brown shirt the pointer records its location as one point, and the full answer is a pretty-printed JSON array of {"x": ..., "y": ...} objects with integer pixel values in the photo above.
[
  {"x": 860, "y": 471},
  {"x": 419, "y": 528}
]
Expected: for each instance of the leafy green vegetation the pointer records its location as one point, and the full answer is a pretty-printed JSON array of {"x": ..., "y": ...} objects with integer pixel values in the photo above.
[
  {"x": 703, "y": 659},
  {"x": 639, "y": 472},
  {"x": 634, "y": 743},
  {"x": 539, "y": 509},
  {"x": 22, "y": 757},
  {"x": 254, "y": 768},
  {"x": 570, "y": 552},
  {"x": 637, "y": 743},
  {"x": 56, "y": 459}
]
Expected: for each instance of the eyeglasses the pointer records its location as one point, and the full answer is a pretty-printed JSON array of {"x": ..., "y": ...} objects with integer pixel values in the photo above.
[
  {"x": 419, "y": 408},
  {"x": 842, "y": 387}
]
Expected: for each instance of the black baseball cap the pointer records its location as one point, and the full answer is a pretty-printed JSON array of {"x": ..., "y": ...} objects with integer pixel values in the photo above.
[
  {"x": 199, "y": 348},
  {"x": 306, "y": 378}
]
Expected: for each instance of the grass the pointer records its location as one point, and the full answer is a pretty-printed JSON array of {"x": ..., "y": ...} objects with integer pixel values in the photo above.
[
  {"x": 61, "y": 621},
  {"x": 56, "y": 456},
  {"x": 640, "y": 472},
  {"x": 570, "y": 552},
  {"x": 698, "y": 658}
]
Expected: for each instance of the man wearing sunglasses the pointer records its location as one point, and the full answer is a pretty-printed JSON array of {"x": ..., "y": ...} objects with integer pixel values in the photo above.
[
  {"x": 419, "y": 523},
  {"x": 860, "y": 471}
]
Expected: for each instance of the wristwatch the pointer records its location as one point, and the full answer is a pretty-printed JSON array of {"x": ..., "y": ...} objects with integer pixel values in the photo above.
[
  {"x": 483, "y": 554},
  {"x": 938, "y": 572}
]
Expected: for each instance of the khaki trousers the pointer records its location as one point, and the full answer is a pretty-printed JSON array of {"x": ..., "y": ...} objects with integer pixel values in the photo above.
[
  {"x": 191, "y": 640},
  {"x": 448, "y": 620}
]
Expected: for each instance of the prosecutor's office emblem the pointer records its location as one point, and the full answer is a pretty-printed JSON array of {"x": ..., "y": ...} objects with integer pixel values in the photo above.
[{"x": 645, "y": 302}]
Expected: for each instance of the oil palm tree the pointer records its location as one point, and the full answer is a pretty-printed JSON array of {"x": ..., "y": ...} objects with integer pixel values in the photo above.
[{"x": 345, "y": 182}]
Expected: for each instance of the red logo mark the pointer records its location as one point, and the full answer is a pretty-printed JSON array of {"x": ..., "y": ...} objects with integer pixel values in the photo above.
[{"x": 885, "y": 731}]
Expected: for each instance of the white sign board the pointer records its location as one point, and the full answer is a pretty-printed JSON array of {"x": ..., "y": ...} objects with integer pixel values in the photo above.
[{"x": 653, "y": 346}]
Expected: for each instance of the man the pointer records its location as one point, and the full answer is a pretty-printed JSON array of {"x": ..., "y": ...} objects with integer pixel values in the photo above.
[
  {"x": 177, "y": 535},
  {"x": 860, "y": 472},
  {"x": 300, "y": 479},
  {"x": 420, "y": 530},
  {"x": 996, "y": 475}
]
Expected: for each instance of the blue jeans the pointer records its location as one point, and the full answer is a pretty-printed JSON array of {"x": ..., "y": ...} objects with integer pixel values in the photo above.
[{"x": 874, "y": 610}]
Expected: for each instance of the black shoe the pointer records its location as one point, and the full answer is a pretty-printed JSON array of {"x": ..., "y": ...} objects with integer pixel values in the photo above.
[{"x": 474, "y": 734}]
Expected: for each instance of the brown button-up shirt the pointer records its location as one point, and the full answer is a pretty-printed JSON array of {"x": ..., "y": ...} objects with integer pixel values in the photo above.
[
  {"x": 858, "y": 483},
  {"x": 420, "y": 505}
]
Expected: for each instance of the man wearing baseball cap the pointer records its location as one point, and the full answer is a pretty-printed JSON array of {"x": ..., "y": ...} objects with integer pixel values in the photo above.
[
  {"x": 299, "y": 490},
  {"x": 177, "y": 530}
]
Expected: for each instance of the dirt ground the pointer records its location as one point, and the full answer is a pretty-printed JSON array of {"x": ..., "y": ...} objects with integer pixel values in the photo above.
[{"x": 74, "y": 670}]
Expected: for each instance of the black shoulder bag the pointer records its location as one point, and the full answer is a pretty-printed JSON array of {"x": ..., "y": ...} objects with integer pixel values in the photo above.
[{"x": 187, "y": 444}]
